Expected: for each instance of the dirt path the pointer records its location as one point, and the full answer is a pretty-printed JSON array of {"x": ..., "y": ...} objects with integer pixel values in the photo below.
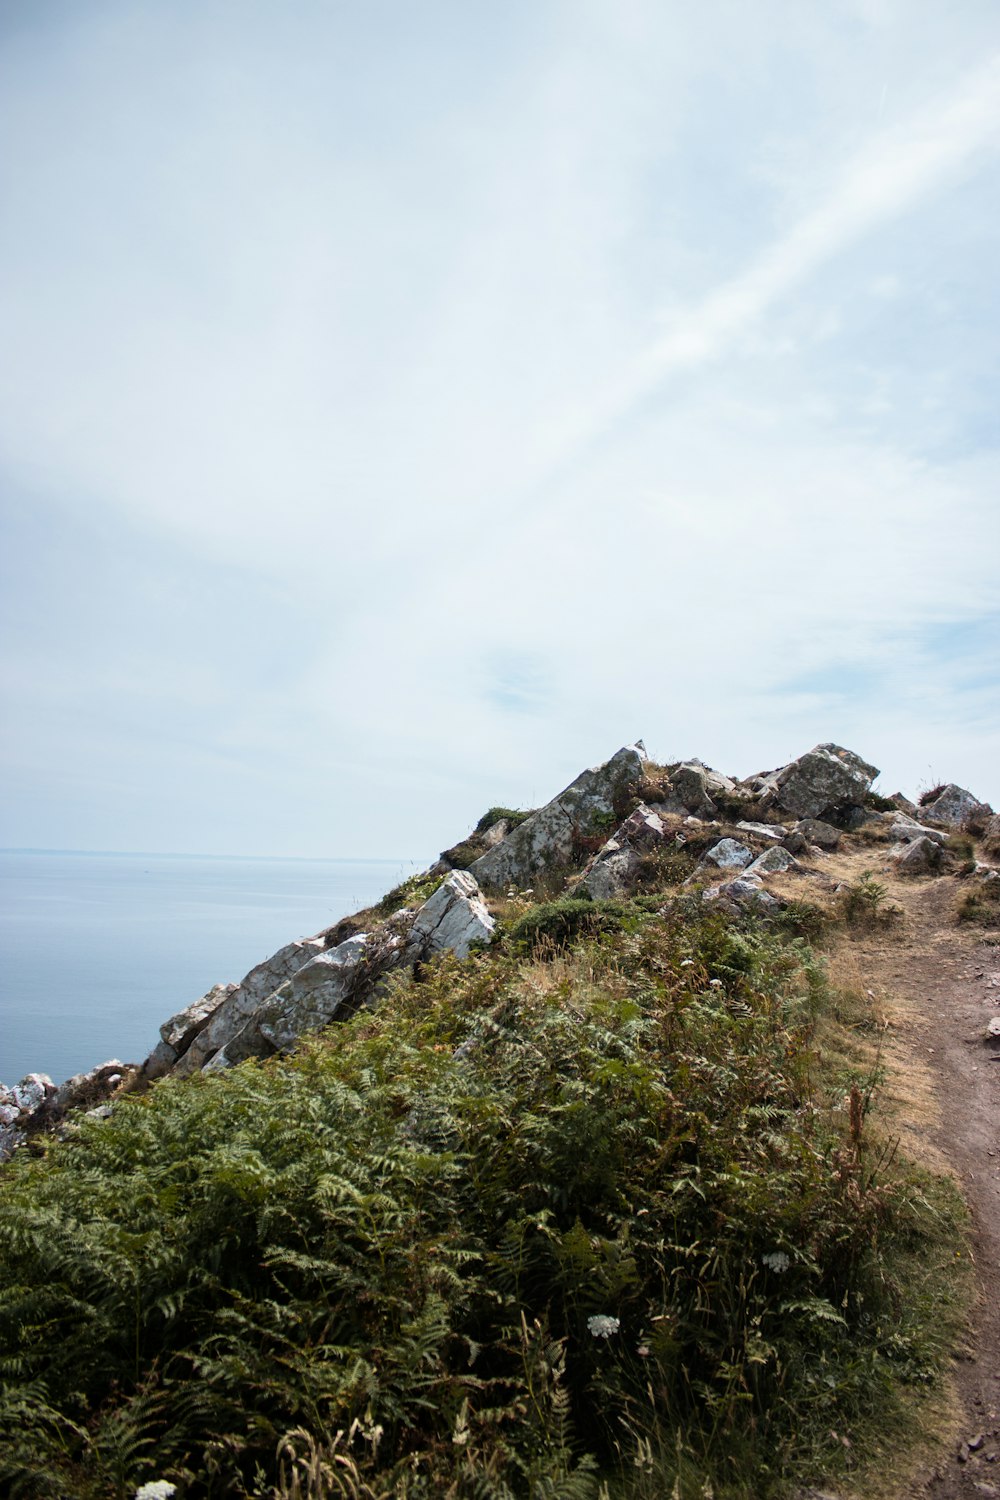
[{"x": 940, "y": 985}]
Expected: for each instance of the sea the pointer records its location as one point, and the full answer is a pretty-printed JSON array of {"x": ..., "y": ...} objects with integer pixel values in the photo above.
[{"x": 96, "y": 950}]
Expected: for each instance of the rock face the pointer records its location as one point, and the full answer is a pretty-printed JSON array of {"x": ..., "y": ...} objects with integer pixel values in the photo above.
[
  {"x": 550, "y": 835},
  {"x": 614, "y": 868},
  {"x": 18, "y": 1107},
  {"x": 306, "y": 1002},
  {"x": 234, "y": 1006},
  {"x": 826, "y": 777},
  {"x": 952, "y": 805},
  {"x": 455, "y": 917}
]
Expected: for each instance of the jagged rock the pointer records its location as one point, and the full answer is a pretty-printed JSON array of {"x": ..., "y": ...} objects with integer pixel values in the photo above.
[
  {"x": 991, "y": 835},
  {"x": 306, "y": 1002},
  {"x": 814, "y": 831},
  {"x": 953, "y": 805},
  {"x": 550, "y": 835},
  {"x": 727, "y": 854},
  {"x": 455, "y": 917},
  {"x": 234, "y": 1011},
  {"x": 613, "y": 869},
  {"x": 795, "y": 843},
  {"x": 773, "y": 861},
  {"x": 180, "y": 1031},
  {"x": 691, "y": 784},
  {"x": 921, "y": 857},
  {"x": 773, "y": 831},
  {"x": 826, "y": 777},
  {"x": 904, "y": 804},
  {"x": 906, "y": 830}
]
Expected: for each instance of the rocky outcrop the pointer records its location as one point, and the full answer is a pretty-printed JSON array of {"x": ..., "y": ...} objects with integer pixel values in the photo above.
[
  {"x": 209, "y": 1027},
  {"x": 825, "y": 778},
  {"x": 304, "y": 1003},
  {"x": 953, "y": 805},
  {"x": 552, "y": 835},
  {"x": 454, "y": 918},
  {"x": 615, "y": 867}
]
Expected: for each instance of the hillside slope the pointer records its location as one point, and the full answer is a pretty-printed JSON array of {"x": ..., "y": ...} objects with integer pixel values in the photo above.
[{"x": 570, "y": 1169}]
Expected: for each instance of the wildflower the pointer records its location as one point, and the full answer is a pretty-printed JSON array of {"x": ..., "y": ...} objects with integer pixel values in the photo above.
[
  {"x": 600, "y": 1326},
  {"x": 156, "y": 1489},
  {"x": 776, "y": 1260}
]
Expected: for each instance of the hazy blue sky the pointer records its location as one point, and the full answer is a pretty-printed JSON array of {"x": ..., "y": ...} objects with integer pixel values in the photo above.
[{"x": 406, "y": 404}]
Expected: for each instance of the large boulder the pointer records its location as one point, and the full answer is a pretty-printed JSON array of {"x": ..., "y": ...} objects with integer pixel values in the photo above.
[
  {"x": 306, "y": 1002},
  {"x": 825, "y": 778},
  {"x": 215, "y": 1020},
  {"x": 773, "y": 861},
  {"x": 615, "y": 866},
  {"x": 728, "y": 854},
  {"x": 906, "y": 830},
  {"x": 454, "y": 917},
  {"x": 814, "y": 831},
  {"x": 692, "y": 785},
  {"x": 921, "y": 857},
  {"x": 952, "y": 804},
  {"x": 551, "y": 836}
]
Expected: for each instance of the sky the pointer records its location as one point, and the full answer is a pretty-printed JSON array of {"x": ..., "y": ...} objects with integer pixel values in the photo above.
[{"x": 404, "y": 406}]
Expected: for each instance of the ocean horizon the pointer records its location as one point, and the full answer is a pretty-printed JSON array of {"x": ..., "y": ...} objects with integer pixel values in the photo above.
[{"x": 99, "y": 947}]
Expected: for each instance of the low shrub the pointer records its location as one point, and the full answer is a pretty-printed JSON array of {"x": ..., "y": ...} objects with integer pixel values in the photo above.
[
  {"x": 865, "y": 904},
  {"x": 556, "y": 924},
  {"x": 494, "y": 815}
]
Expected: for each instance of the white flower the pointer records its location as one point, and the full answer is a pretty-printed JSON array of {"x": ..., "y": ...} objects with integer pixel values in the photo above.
[
  {"x": 157, "y": 1489},
  {"x": 777, "y": 1260},
  {"x": 600, "y": 1326}
]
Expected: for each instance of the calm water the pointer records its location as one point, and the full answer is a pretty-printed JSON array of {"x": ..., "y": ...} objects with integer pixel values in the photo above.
[{"x": 97, "y": 949}]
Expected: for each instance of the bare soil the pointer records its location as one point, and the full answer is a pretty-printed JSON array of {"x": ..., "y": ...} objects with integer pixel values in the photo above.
[{"x": 937, "y": 983}]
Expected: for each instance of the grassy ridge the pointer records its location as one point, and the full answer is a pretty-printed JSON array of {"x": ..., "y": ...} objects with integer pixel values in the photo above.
[{"x": 556, "y": 1221}]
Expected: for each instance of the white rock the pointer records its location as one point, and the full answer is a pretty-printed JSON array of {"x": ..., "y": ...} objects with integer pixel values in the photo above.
[
  {"x": 454, "y": 917},
  {"x": 236, "y": 1009},
  {"x": 549, "y": 836},
  {"x": 306, "y": 1002},
  {"x": 727, "y": 854},
  {"x": 906, "y": 830},
  {"x": 772, "y": 862},
  {"x": 773, "y": 831}
]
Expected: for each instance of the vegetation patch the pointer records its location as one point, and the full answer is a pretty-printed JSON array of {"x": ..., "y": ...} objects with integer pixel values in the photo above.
[
  {"x": 555, "y": 924},
  {"x": 597, "y": 1226},
  {"x": 494, "y": 815},
  {"x": 981, "y": 907},
  {"x": 865, "y": 905}
]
